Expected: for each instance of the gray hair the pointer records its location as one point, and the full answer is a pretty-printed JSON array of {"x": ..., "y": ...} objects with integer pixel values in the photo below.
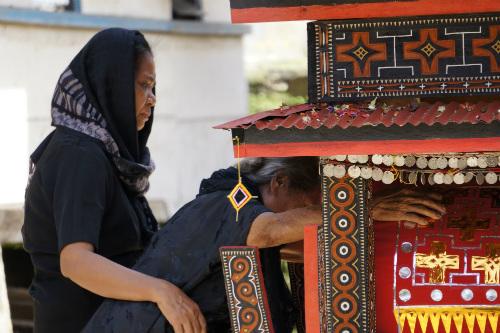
[{"x": 302, "y": 172}]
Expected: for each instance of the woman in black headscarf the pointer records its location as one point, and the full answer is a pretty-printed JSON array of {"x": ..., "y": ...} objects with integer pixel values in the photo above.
[{"x": 86, "y": 218}]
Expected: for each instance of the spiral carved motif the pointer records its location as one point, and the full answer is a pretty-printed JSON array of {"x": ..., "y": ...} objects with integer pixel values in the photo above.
[{"x": 244, "y": 288}]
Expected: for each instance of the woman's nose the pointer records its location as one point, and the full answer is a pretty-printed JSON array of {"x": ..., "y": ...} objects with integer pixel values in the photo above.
[{"x": 151, "y": 99}]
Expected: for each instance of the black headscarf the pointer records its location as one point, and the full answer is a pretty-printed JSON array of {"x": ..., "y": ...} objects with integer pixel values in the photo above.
[{"x": 95, "y": 95}]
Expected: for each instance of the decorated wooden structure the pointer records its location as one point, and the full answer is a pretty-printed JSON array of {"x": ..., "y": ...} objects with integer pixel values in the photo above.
[{"x": 393, "y": 101}]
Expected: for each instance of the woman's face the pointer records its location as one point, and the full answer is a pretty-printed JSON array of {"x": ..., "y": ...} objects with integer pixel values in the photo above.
[
  {"x": 145, "y": 80},
  {"x": 279, "y": 197}
]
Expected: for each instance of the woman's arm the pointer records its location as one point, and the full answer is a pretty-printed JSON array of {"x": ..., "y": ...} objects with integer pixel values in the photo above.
[
  {"x": 410, "y": 206},
  {"x": 106, "y": 278},
  {"x": 274, "y": 229}
]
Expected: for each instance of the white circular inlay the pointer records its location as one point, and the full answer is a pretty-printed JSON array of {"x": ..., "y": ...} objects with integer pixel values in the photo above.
[
  {"x": 343, "y": 250},
  {"x": 343, "y": 223},
  {"x": 436, "y": 295},
  {"x": 491, "y": 295},
  {"x": 345, "y": 306},
  {"x": 404, "y": 272},
  {"x": 467, "y": 294},
  {"x": 342, "y": 195},
  {"x": 404, "y": 295},
  {"x": 344, "y": 278},
  {"x": 406, "y": 247}
]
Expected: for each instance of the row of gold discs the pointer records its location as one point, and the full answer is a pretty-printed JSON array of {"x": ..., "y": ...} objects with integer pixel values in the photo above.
[
  {"x": 481, "y": 161},
  {"x": 429, "y": 169}
]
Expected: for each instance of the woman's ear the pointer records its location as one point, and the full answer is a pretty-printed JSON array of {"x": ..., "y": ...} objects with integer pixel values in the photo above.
[{"x": 279, "y": 181}]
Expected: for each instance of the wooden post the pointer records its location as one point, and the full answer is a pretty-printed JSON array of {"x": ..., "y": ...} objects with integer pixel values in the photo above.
[{"x": 346, "y": 258}]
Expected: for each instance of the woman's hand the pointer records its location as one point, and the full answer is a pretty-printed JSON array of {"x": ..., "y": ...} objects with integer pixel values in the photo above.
[
  {"x": 409, "y": 206},
  {"x": 181, "y": 312},
  {"x": 79, "y": 263}
]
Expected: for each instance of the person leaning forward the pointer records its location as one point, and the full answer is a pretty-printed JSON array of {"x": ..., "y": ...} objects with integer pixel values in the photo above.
[{"x": 186, "y": 250}]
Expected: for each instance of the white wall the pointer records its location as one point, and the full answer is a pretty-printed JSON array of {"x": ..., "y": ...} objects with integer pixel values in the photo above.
[
  {"x": 200, "y": 84},
  {"x": 152, "y": 9},
  {"x": 216, "y": 11}
]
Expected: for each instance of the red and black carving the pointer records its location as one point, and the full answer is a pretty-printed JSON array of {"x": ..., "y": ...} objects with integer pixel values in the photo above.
[
  {"x": 245, "y": 290},
  {"x": 418, "y": 56},
  {"x": 348, "y": 256}
]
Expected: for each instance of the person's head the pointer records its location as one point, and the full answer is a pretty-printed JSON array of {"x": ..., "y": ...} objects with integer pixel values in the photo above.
[
  {"x": 285, "y": 183},
  {"x": 145, "y": 80}
]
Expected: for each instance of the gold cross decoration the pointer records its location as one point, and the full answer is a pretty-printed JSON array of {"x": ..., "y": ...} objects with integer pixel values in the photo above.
[
  {"x": 489, "y": 264},
  {"x": 437, "y": 261},
  {"x": 468, "y": 223}
]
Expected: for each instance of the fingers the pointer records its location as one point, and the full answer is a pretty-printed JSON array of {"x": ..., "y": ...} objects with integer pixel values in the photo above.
[
  {"x": 422, "y": 210},
  {"x": 415, "y": 218}
]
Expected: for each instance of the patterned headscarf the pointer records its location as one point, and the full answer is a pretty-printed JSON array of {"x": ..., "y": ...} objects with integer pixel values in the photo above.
[{"x": 95, "y": 96}]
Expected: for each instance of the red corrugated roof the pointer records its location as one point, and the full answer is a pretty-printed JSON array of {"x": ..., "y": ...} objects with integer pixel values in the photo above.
[{"x": 361, "y": 114}]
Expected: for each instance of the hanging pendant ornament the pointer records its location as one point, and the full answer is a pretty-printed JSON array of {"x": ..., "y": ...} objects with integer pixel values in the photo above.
[
  {"x": 399, "y": 160},
  {"x": 377, "y": 159},
  {"x": 482, "y": 162},
  {"x": 352, "y": 158},
  {"x": 377, "y": 174},
  {"x": 472, "y": 161},
  {"x": 339, "y": 171},
  {"x": 328, "y": 170},
  {"x": 491, "y": 161},
  {"x": 430, "y": 180},
  {"x": 439, "y": 178},
  {"x": 240, "y": 195},
  {"x": 448, "y": 179},
  {"x": 433, "y": 163},
  {"x": 468, "y": 177},
  {"x": 459, "y": 178},
  {"x": 442, "y": 163},
  {"x": 491, "y": 178},
  {"x": 423, "y": 178},
  {"x": 388, "y": 177},
  {"x": 354, "y": 171},
  {"x": 410, "y": 161},
  {"x": 462, "y": 163},
  {"x": 366, "y": 172},
  {"x": 412, "y": 178},
  {"x": 363, "y": 159},
  {"x": 480, "y": 179},
  {"x": 421, "y": 162},
  {"x": 387, "y": 160},
  {"x": 453, "y": 163}
]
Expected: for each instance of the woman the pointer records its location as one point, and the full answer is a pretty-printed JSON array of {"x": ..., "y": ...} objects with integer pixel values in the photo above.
[
  {"x": 86, "y": 219},
  {"x": 186, "y": 250}
]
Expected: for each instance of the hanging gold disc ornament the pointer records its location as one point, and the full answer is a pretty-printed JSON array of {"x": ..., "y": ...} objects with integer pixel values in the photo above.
[{"x": 239, "y": 195}]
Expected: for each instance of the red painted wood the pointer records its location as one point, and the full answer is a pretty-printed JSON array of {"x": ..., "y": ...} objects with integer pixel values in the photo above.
[
  {"x": 311, "y": 278},
  {"x": 365, "y": 10},
  {"x": 328, "y": 148}
]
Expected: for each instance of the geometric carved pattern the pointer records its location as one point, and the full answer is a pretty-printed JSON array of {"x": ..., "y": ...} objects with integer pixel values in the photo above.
[
  {"x": 453, "y": 55},
  {"x": 447, "y": 274},
  {"x": 348, "y": 256},
  {"x": 296, "y": 273},
  {"x": 438, "y": 260},
  {"x": 245, "y": 290}
]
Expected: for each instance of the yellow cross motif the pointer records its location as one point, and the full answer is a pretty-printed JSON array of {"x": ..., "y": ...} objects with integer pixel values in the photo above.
[
  {"x": 437, "y": 261},
  {"x": 489, "y": 264}
]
